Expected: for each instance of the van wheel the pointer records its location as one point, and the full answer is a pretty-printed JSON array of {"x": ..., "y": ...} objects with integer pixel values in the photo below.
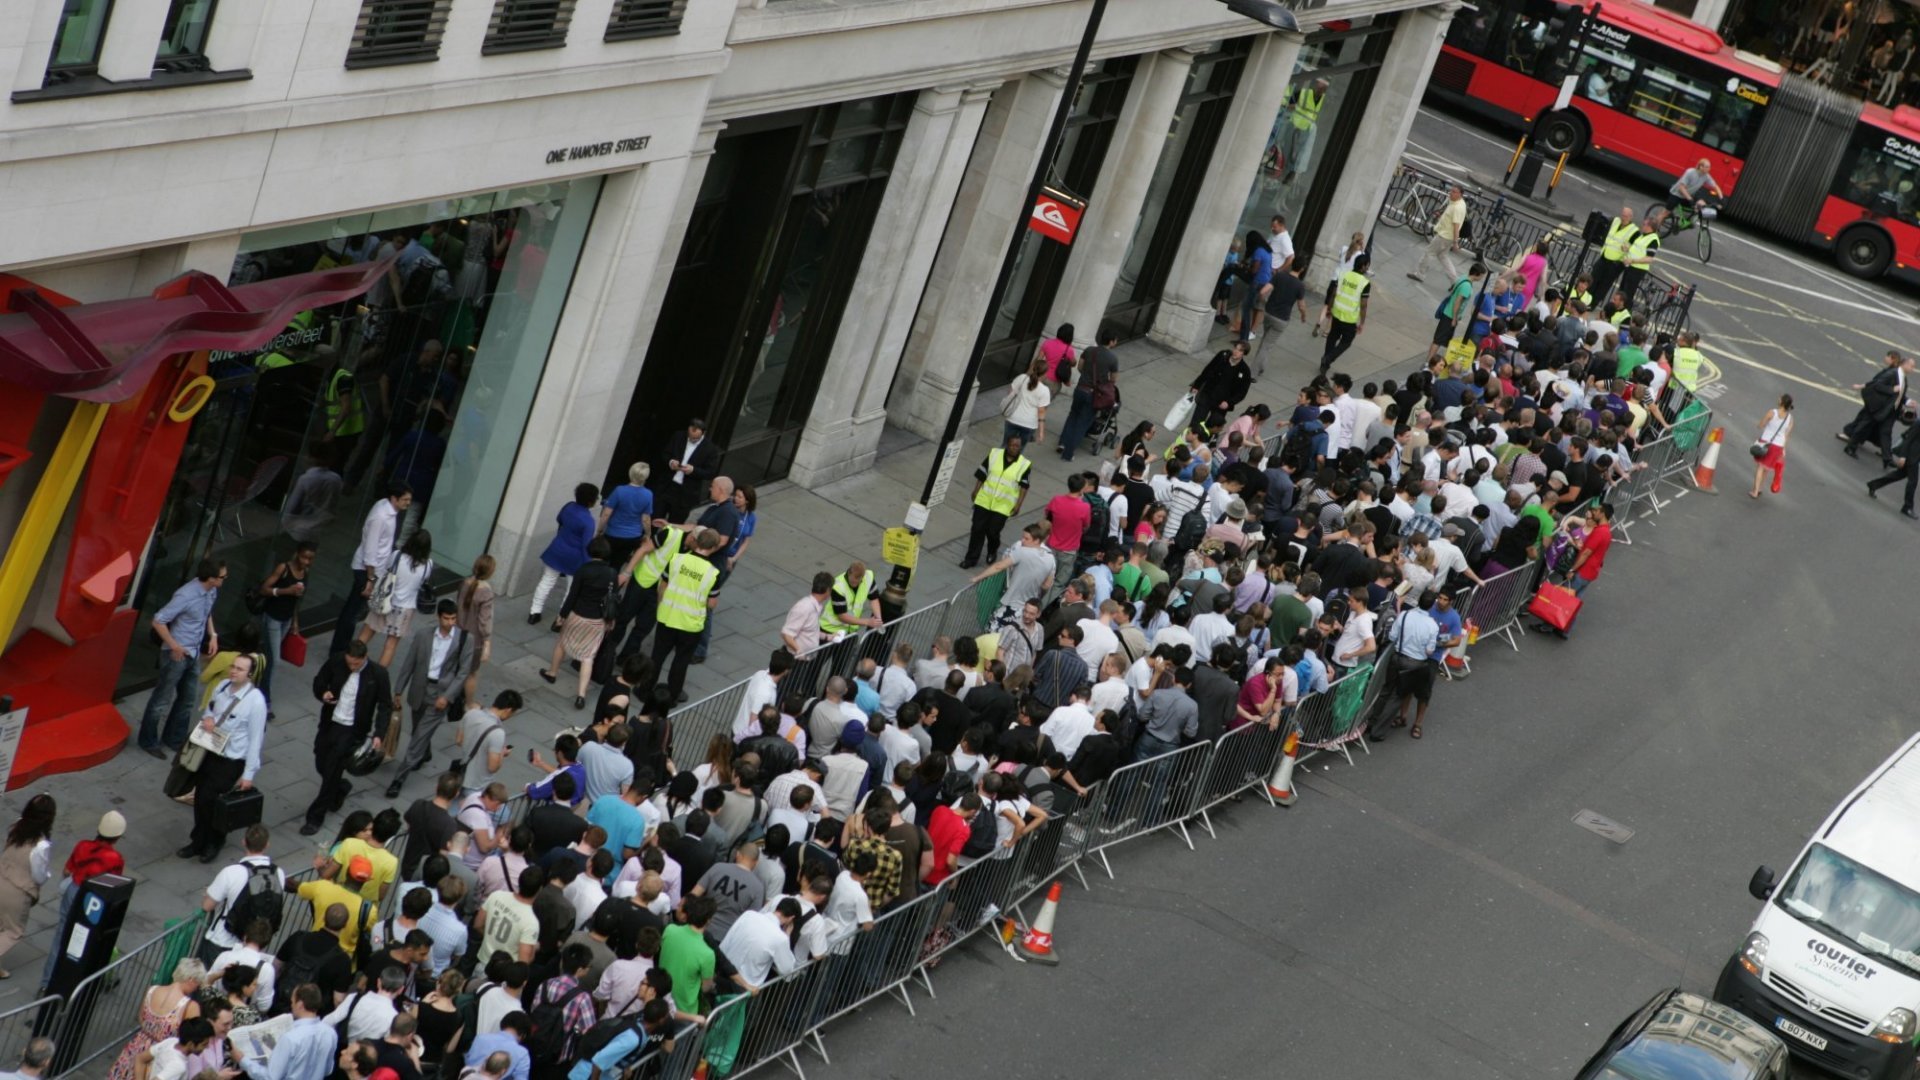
[
  {"x": 1562, "y": 132},
  {"x": 1863, "y": 251}
]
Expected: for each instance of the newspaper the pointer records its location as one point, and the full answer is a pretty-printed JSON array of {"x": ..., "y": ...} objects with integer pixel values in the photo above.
[{"x": 257, "y": 1041}]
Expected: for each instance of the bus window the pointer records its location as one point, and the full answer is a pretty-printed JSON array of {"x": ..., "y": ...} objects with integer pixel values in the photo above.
[
  {"x": 1668, "y": 99},
  {"x": 1883, "y": 175},
  {"x": 1604, "y": 75},
  {"x": 1733, "y": 123}
]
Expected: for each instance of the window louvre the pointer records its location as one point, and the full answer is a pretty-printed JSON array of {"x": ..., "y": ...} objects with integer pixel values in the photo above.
[
  {"x": 644, "y": 18},
  {"x": 397, "y": 32},
  {"x": 527, "y": 24}
]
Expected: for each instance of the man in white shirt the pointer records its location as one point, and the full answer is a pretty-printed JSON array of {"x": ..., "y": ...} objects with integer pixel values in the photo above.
[
  {"x": 1069, "y": 723},
  {"x": 1447, "y": 558},
  {"x": 896, "y": 739},
  {"x": 1366, "y": 413},
  {"x": 228, "y": 886},
  {"x": 895, "y": 688},
  {"x": 817, "y": 933},
  {"x": 1346, "y": 414},
  {"x": 369, "y": 1013},
  {"x": 1212, "y": 627},
  {"x": 1460, "y": 498},
  {"x": 763, "y": 689},
  {"x": 1097, "y": 636},
  {"x": 757, "y": 943},
  {"x": 847, "y": 904},
  {"x": 377, "y": 533},
  {"x": 238, "y": 712}
]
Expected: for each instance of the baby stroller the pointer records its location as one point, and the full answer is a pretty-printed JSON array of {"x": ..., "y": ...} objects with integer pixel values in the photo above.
[{"x": 1104, "y": 432}]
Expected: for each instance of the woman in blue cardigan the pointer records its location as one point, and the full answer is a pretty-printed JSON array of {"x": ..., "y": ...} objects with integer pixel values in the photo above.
[{"x": 568, "y": 552}]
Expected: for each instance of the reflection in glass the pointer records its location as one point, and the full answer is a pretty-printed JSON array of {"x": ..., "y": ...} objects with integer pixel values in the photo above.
[
  {"x": 76, "y": 44},
  {"x": 184, "y": 34}
]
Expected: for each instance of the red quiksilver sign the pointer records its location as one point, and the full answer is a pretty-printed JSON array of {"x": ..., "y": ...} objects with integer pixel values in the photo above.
[{"x": 1056, "y": 216}]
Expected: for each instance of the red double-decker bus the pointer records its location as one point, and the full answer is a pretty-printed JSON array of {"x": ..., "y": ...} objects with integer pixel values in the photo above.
[{"x": 1654, "y": 93}]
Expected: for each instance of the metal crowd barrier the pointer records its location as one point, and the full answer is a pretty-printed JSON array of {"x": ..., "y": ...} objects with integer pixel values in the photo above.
[
  {"x": 1494, "y": 605},
  {"x": 970, "y": 611},
  {"x": 1242, "y": 759},
  {"x": 1151, "y": 794},
  {"x": 103, "y": 1011},
  {"x": 17, "y": 1026}
]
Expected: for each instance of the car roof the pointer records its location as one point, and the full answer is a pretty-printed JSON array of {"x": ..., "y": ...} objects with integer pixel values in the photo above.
[
  {"x": 1692, "y": 1038},
  {"x": 1876, "y": 827}
]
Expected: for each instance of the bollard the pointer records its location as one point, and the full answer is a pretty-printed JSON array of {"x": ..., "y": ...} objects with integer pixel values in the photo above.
[{"x": 1703, "y": 472}]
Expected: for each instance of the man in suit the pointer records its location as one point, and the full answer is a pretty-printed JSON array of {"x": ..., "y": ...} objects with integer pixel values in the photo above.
[
  {"x": 355, "y": 701},
  {"x": 1907, "y": 453},
  {"x": 428, "y": 674},
  {"x": 692, "y": 459},
  {"x": 1881, "y": 398}
]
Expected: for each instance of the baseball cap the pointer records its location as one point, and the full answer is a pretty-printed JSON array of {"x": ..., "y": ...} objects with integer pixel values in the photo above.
[
  {"x": 112, "y": 825},
  {"x": 854, "y": 733},
  {"x": 360, "y": 868}
]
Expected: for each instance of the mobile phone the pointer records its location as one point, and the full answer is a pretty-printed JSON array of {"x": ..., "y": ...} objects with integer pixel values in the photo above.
[{"x": 529, "y": 755}]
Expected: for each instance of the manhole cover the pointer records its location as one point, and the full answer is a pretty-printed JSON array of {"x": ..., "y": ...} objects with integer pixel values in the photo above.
[{"x": 1606, "y": 827}]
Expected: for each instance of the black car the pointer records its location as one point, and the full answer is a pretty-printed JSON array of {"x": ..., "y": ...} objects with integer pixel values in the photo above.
[{"x": 1682, "y": 1036}]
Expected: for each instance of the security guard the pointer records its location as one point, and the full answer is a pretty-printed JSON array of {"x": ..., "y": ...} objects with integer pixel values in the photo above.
[
  {"x": 1349, "y": 310},
  {"x": 1640, "y": 255},
  {"x": 1687, "y": 359},
  {"x": 999, "y": 490},
  {"x": 346, "y": 413},
  {"x": 1619, "y": 235},
  {"x": 689, "y": 590},
  {"x": 640, "y": 602},
  {"x": 852, "y": 596},
  {"x": 1296, "y": 149}
]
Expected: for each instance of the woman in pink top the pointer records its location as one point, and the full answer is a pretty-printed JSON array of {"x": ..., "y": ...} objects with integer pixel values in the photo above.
[
  {"x": 1058, "y": 351},
  {"x": 1533, "y": 270}
]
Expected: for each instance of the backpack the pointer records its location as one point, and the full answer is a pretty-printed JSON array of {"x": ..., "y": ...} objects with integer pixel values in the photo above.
[
  {"x": 1105, "y": 392},
  {"x": 549, "y": 1038},
  {"x": 1297, "y": 450},
  {"x": 983, "y": 834},
  {"x": 302, "y": 967},
  {"x": 428, "y": 280},
  {"x": 1193, "y": 526},
  {"x": 260, "y": 898},
  {"x": 595, "y": 1039},
  {"x": 1094, "y": 539}
]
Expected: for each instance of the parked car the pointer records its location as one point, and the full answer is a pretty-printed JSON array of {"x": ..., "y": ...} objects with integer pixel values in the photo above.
[{"x": 1682, "y": 1036}]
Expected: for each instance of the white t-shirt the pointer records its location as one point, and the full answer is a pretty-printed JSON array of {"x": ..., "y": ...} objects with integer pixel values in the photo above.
[
  {"x": 758, "y": 947},
  {"x": 1282, "y": 245},
  {"x": 1067, "y": 725},
  {"x": 226, "y": 887},
  {"x": 848, "y": 907},
  {"x": 248, "y": 956},
  {"x": 1097, "y": 643},
  {"x": 1023, "y": 405},
  {"x": 1108, "y": 693},
  {"x": 1358, "y": 629}
]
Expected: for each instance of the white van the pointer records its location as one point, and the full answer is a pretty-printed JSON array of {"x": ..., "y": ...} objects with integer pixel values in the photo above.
[{"x": 1833, "y": 961}]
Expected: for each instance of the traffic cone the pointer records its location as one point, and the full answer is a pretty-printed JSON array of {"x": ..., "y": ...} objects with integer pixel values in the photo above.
[
  {"x": 700, "y": 1070},
  {"x": 1280, "y": 785},
  {"x": 1703, "y": 472},
  {"x": 1037, "y": 945},
  {"x": 1457, "y": 661}
]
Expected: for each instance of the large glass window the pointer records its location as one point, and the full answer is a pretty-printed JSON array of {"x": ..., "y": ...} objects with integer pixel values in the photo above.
[
  {"x": 183, "y": 37},
  {"x": 1880, "y": 173},
  {"x": 1668, "y": 99},
  {"x": 76, "y": 43},
  {"x": 428, "y": 378},
  {"x": 1738, "y": 108}
]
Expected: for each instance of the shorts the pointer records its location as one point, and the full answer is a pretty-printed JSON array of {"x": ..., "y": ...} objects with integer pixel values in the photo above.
[
  {"x": 1415, "y": 682},
  {"x": 1443, "y": 332}
]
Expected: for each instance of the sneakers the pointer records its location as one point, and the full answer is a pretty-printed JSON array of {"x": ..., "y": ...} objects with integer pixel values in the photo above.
[{"x": 1415, "y": 276}]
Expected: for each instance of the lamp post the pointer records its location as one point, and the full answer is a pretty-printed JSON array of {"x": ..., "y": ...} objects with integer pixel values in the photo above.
[{"x": 1272, "y": 13}]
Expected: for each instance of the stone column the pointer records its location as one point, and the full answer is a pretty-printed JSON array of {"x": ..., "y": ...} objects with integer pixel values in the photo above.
[
  {"x": 1186, "y": 308},
  {"x": 597, "y": 350},
  {"x": 991, "y": 198},
  {"x": 1113, "y": 213},
  {"x": 1383, "y": 130},
  {"x": 849, "y": 409}
]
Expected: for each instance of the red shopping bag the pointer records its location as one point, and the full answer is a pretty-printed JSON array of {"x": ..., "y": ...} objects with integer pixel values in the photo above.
[
  {"x": 1555, "y": 605},
  {"x": 293, "y": 649}
]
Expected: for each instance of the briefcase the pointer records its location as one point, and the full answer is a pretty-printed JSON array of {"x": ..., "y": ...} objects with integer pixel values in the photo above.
[
  {"x": 238, "y": 809},
  {"x": 1555, "y": 605}
]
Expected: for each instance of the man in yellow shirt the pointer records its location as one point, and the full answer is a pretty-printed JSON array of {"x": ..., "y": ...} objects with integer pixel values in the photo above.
[
  {"x": 325, "y": 894},
  {"x": 1446, "y": 236},
  {"x": 370, "y": 843}
]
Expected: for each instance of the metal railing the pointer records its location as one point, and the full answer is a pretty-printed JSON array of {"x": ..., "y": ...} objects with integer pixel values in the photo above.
[
  {"x": 1495, "y": 604},
  {"x": 103, "y": 1011},
  {"x": 1242, "y": 759},
  {"x": 1151, "y": 794}
]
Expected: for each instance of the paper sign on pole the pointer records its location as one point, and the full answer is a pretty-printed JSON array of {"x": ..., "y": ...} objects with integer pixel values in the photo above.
[{"x": 11, "y": 725}]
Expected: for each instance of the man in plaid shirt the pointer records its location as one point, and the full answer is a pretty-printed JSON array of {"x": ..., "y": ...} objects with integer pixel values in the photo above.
[{"x": 565, "y": 990}]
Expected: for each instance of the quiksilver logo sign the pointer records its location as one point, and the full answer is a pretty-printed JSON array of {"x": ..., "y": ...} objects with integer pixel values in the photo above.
[{"x": 1836, "y": 959}]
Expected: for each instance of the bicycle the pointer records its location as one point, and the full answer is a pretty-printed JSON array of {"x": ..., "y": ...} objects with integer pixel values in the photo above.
[
  {"x": 1416, "y": 207},
  {"x": 1684, "y": 217},
  {"x": 1490, "y": 234}
]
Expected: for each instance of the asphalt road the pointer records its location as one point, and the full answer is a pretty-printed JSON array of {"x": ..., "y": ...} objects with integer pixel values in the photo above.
[{"x": 1433, "y": 910}]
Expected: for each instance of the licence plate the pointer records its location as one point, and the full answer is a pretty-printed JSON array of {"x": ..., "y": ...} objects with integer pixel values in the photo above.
[{"x": 1800, "y": 1033}]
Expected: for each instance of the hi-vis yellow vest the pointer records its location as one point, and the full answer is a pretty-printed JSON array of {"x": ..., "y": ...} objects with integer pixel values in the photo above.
[
  {"x": 690, "y": 578},
  {"x": 1306, "y": 108},
  {"x": 1686, "y": 366},
  {"x": 855, "y": 599},
  {"x": 1641, "y": 251},
  {"x": 1346, "y": 299},
  {"x": 647, "y": 571},
  {"x": 1619, "y": 235},
  {"x": 1000, "y": 491}
]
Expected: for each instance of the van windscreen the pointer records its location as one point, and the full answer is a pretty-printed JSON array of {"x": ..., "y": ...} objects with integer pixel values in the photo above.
[{"x": 1853, "y": 903}]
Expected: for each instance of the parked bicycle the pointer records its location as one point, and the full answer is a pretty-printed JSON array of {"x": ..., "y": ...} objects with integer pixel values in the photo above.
[{"x": 1415, "y": 201}]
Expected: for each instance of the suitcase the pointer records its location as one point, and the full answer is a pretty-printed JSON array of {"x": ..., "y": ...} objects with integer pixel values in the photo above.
[
  {"x": 1555, "y": 605},
  {"x": 238, "y": 809}
]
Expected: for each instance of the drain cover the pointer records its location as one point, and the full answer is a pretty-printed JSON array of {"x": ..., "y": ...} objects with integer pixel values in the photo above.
[{"x": 1606, "y": 827}]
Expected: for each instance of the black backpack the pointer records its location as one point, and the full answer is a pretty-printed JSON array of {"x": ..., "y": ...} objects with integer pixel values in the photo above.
[
  {"x": 549, "y": 1018},
  {"x": 1094, "y": 539},
  {"x": 1297, "y": 451},
  {"x": 260, "y": 898},
  {"x": 1193, "y": 526},
  {"x": 595, "y": 1039},
  {"x": 302, "y": 967},
  {"x": 983, "y": 835}
]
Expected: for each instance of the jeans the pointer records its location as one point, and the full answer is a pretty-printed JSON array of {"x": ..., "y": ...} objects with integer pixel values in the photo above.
[
  {"x": 1152, "y": 747},
  {"x": 174, "y": 697},
  {"x": 1079, "y": 421},
  {"x": 1009, "y": 429},
  {"x": 277, "y": 632},
  {"x": 352, "y": 610}
]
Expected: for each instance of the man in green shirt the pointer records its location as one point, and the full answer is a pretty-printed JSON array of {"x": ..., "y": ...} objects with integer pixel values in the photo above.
[
  {"x": 1541, "y": 519},
  {"x": 1447, "y": 315},
  {"x": 1632, "y": 352},
  {"x": 685, "y": 954},
  {"x": 1290, "y": 614},
  {"x": 1131, "y": 580}
]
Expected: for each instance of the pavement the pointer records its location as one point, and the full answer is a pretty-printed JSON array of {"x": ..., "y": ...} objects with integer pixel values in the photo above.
[{"x": 1433, "y": 910}]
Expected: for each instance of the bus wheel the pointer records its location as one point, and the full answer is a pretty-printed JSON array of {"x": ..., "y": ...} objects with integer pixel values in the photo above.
[
  {"x": 1863, "y": 251},
  {"x": 1562, "y": 132}
]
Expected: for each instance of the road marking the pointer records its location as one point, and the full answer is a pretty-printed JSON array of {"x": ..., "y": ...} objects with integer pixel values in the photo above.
[
  {"x": 1841, "y": 394},
  {"x": 1874, "y": 309}
]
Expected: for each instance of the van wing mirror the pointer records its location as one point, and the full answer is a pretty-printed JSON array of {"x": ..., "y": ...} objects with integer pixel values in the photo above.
[{"x": 1761, "y": 885}]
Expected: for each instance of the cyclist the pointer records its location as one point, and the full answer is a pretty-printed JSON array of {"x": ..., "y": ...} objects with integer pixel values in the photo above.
[{"x": 1689, "y": 190}]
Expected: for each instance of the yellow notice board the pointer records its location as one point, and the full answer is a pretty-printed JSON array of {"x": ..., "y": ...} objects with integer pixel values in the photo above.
[{"x": 900, "y": 547}]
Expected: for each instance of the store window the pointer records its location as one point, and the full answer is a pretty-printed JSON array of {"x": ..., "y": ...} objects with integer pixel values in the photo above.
[
  {"x": 428, "y": 378},
  {"x": 76, "y": 42},
  {"x": 183, "y": 37}
]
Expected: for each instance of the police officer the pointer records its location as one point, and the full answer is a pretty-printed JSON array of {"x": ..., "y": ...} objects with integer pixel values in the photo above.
[
  {"x": 1349, "y": 310},
  {"x": 999, "y": 490},
  {"x": 1619, "y": 234},
  {"x": 851, "y": 605},
  {"x": 689, "y": 591},
  {"x": 1640, "y": 253}
]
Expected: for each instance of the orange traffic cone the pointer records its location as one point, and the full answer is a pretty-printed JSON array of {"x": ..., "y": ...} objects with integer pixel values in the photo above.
[
  {"x": 700, "y": 1070},
  {"x": 1703, "y": 472},
  {"x": 1280, "y": 785},
  {"x": 1037, "y": 945}
]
